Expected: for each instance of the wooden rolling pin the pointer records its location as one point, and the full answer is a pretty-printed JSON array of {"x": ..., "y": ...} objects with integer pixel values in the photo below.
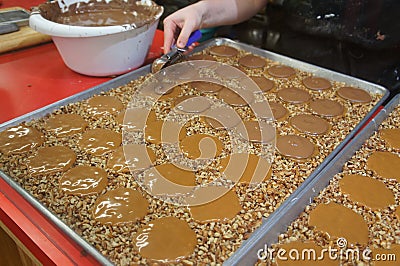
[{"x": 22, "y": 38}]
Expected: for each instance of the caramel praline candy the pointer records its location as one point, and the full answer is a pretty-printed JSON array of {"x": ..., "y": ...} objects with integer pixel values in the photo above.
[
  {"x": 232, "y": 98},
  {"x": 219, "y": 209},
  {"x": 66, "y": 124},
  {"x": 278, "y": 110},
  {"x": 391, "y": 136},
  {"x": 134, "y": 157},
  {"x": 385, "y": 164},
  {"x": 49, "y": 160},
  {"x": 20, "y": 139},
  {"x": 367, "y": 191},
  {"x": 166, "y": 239},
  {"x": 316, "y": 83},
  {"x": 206, "y": 87},
  {"x": 245, "y": 168},
  {"x": 295, "y": 147},
  {"x": 256, "y": 131},
  {"x": 192, "y": 104},
  {"x": 252, "y": 61},
  {"x": 202, "y": 146},
  {"x": 99, "y": 105},
  {"x": 119, "y": 206},
  {"x": 294, "y": 95},
  {"x": 159, "y": 131},
  {"x": 354, "y": 95},
  {"x": 309, "y": 124},
  {"x": 263, "y": 83},
  {"x": 281, "y": 71},
  {"x": 326, "y": 107},
  {"x": 99, "y": 141},
  {"x": 338, "y": 221},
  {"x": 83, "y": 180},
  {"x": 224, "y": 51},
  {"x": 202, "y": 57}
]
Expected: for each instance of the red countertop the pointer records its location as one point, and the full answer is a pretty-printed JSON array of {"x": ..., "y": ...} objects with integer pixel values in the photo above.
[{"x": 35, "y": 77}]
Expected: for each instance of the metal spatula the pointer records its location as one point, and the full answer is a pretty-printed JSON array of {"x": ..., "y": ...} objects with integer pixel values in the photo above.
[{"x": 175, "y": 54}]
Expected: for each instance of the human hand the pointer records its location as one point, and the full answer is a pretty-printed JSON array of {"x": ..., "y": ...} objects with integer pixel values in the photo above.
[{"x": 179, "y": 25}]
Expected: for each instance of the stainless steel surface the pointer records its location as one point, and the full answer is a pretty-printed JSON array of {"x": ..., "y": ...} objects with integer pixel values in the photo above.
[{"x": 270, "y": 228}]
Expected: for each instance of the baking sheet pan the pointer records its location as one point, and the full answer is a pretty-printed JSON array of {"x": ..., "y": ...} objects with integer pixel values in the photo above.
[
  {"x": 267, "y": 229},
  {"x": 278, "y": 222}
]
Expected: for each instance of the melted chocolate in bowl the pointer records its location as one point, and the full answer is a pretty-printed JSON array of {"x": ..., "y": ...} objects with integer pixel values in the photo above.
[{"x": 101, "y": 13}]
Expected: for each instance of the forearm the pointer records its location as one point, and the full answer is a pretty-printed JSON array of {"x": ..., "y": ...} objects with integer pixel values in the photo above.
[
  {"x": 227, "y": 12},
  {"x": 206, "y": 14}
]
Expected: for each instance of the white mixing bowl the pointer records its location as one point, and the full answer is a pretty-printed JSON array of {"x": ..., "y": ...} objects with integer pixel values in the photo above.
[{"x": 99, "y": 50}]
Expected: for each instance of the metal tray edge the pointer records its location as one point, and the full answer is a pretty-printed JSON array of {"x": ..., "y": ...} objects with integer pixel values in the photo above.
[
  {"x": 113, "y": 83},
  {"x": 51, "y": 217}
]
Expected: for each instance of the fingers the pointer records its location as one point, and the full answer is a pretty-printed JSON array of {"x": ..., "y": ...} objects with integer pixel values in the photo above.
[
  {"x": 179, "y": 25},
  {"x": 169, "y": 34},
  {"x": 183, "y": 38}
]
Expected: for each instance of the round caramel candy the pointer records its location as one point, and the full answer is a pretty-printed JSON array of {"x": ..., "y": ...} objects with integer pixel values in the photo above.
[
  {"x": 203, "y": 146},
  {"x": 252, "y": 61},
  {"x": 135, "y": 157},
  {"x": 99, "y": 141},
  {"x": 202, "y": 57},
  {"x": 192, "y": 104},
  {"x": 262, "y": 111},
  {"x": 293, "y": 95},
  {"x": 316, "y": 83},
  {"x": 20, "y": 139},
  {"x": 99, "y": 105},
  {"x": 391, "y": 136},
  {"x": 263, "y": 83},
  {"x": 256, "y": 131},
  {"x": 169, "y": 94},
  {"x": 224, "y": 51},
  {"x": 119, "y": 206},
  {"x": 295, "y": 147},
  {"x": 326, "y": 107},
  {"x": 245, "y": 168},
  {"x": 229, "y": 96},
  {"x": 338, "y": 221},
  {"x": 222, "y": 118},
  {"x": 281, "y": 71},
  {"x": 278, "y": 110},
  {"x": 66, "y": 124},
  {"x": 166, "y": 239},
  {"x": 385, "y": 164},
  {"x": 354, "y": 95},
  {"x": 367, "y": 191},
  {"x": 49, "y": 160},
  {"x": 309, "y": 124},
  {"x": 160, "y": 131},
  {"x": 228, "y": 73},
  {"x": 168, "y": 180},
  {"x": 220, "y": 209},
  {"x": 83, "y": 180},
  {"x": 135, "y": 118},
  {"x": 206, "y": 87}
]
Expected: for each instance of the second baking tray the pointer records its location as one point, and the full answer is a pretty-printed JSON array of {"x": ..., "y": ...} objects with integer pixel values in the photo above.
[
  {"x": 244, "y": 253},
  {"x": 278, "y": 222}
]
